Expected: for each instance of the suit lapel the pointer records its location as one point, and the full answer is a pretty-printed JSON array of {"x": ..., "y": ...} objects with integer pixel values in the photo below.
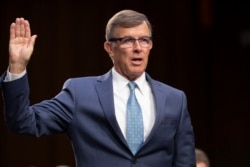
[
  {"x": 158, "y": 94},
  {"x": 104, "y": 90}
]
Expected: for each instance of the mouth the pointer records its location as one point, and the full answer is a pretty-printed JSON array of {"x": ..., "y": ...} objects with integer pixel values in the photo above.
[{"x": 136, "y": 61}]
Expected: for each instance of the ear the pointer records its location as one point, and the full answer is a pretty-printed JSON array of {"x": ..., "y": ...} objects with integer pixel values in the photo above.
[
  {"x": 151, "y": 46},
  {"x": 108, "y": 47}
]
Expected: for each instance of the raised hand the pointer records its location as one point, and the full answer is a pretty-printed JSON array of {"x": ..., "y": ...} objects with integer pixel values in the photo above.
[{"x": 21, "y": 45}]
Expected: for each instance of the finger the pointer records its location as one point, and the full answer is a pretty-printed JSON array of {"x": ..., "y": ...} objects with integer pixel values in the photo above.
[
  {"x": 27, "y": 29},
  {"x": 32, "y": 40},
  {"x": 22, "y": 27},
  {"x": 12, "y": 31},
  {"x": 17, "y": 27}
]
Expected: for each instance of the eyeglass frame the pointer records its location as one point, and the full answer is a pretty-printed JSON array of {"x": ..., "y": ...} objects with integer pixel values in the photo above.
[{"x": 140, "y": 39}]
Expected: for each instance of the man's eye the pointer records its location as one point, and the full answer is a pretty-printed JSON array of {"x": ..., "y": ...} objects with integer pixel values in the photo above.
[
  {"x": 128, "y": 40},
  {"x": 144, "y": 40}
]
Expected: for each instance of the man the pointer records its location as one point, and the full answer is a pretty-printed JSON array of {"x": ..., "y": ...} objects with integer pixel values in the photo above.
[
  {"x": 92, "y": 111},
  {"x": 202, "y": 159}
]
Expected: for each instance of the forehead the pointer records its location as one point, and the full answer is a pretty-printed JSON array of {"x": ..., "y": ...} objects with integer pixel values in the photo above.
[{"x": 137, "y": 31}]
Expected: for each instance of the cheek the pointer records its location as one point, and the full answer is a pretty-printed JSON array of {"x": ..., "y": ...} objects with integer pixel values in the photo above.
[
  {"x": 118, "y": 59},
  {"x": 122, "y": 59},
  {"x": 120, "y": 56}
]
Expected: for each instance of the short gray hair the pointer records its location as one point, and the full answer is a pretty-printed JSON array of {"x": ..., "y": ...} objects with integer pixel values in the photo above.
[{"x": 126, "y": 19}]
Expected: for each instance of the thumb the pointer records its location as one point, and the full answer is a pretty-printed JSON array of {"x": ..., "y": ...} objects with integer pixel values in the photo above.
[{"x": 32, "y": 40}]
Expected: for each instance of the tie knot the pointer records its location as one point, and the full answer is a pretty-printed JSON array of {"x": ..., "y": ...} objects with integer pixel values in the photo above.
[{"x": 132, "y": 85}]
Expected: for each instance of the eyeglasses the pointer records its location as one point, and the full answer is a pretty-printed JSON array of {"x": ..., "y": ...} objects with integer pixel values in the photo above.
[{"x": 129, "y": 42}]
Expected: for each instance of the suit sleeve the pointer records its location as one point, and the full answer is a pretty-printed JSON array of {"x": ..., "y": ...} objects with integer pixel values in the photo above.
[
  {"x": 44, "y": 118},
  {"x": 184, "y": 141}
]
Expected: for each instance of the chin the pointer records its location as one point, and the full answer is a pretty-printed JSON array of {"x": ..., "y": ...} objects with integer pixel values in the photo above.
[{"x": 136, "y": 74}]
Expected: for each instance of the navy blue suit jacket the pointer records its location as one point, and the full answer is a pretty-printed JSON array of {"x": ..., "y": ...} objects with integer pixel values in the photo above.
[{"x": 84, "y": 109}]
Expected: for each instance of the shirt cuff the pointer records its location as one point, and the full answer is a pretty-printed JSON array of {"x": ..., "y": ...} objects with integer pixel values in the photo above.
[{"x": 11, "y": 77}]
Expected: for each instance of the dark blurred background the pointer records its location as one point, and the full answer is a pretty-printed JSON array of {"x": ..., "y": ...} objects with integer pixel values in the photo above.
[{"x": 200, "y": 46}]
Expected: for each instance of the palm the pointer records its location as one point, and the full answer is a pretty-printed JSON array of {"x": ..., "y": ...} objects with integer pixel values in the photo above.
[{"x": 19, "y": 49}]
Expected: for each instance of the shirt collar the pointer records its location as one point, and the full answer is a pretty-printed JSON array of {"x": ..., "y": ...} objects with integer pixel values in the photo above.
[{"x": 122, "y": 82}]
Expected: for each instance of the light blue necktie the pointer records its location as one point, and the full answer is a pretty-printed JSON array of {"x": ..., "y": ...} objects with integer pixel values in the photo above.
[{"x": 134, "y": 131}]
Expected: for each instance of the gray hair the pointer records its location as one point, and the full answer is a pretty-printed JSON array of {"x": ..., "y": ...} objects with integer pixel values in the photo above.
[{"x": 125, "y": 19}]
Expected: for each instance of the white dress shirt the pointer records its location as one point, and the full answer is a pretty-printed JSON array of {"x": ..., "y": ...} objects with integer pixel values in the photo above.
[{"x": 144, "y": 96}]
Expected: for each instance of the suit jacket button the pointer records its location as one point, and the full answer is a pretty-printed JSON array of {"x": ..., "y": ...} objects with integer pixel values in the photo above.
[{"x": 133, "y": 160}]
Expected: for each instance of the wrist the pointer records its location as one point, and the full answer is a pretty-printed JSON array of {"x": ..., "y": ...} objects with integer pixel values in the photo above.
[{"x": 16, "y": 68}]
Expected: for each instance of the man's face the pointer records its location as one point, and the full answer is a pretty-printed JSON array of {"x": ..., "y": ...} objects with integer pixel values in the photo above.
[{"x": 130, "y": 61}]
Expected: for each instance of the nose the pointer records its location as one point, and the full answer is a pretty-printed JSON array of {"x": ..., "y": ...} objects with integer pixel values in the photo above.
[
  {"x": 137, "y": 44},
  {"x": 137, "y": 47}
]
